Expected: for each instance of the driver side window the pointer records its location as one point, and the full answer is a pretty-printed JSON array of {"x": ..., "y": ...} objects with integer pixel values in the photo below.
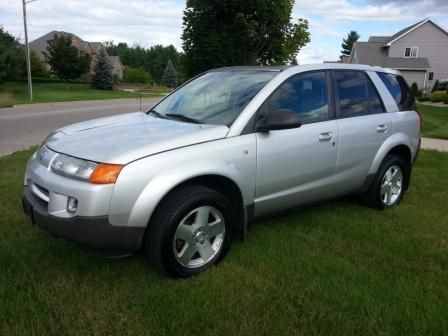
[{"x": 306, "y": 94}]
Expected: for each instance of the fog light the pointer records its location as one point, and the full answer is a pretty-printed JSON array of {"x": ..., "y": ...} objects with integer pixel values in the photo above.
[{"x": 72, "y": 204}]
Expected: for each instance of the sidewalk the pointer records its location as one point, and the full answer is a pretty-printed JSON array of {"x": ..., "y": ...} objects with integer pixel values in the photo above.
[{"x": 437, "y": 144}]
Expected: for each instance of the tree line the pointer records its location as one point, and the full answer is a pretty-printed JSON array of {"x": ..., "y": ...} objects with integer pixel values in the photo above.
[{"x": 216, "y": 33}]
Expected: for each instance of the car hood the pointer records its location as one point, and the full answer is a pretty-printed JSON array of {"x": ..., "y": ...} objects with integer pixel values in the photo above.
[{"x": 128, "y": 137}]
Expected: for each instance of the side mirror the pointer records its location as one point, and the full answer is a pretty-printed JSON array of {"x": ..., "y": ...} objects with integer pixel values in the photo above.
[{"x": 279, "y": 120}]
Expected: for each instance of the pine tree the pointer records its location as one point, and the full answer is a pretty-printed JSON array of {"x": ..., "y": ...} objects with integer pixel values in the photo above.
[
  {"x": 169, "y": 78},
  {"x": 102, "y": 78},
  {"x": 347, "y": 43}
]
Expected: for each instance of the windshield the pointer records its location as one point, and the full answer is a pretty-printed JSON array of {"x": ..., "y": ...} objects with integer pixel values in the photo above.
[{"x": 213, "y": 98}]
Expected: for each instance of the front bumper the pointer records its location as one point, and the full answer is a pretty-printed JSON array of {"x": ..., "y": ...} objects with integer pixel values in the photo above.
[{"x": 94, "y": 232}]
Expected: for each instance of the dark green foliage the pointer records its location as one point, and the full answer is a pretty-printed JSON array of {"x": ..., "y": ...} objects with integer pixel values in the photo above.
[
  {"x": 169, "y": 78},
  {"x": 102, "y": 78},
  {"x": 152, "y": 60},
  {"x": 414, "y": 90},
  {"x": 135, "y": 75},
  {"x": 347, "y": 43},
  {"x": 13, "y": 60},
  {"x": 229, "y": 32},
  {"x": 435, "y": 87},
  {"x": 66, "y": 61}
]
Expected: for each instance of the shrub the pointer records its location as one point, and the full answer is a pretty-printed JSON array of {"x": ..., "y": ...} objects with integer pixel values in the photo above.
[
  {"x": 423, "y": 99},
  {"x": 414, "y": 90},
  {"x": 435, "y": 87},
  {"x": 6, "y": 99},
  {"x": 439, "y": 96},
  {"x": 135, "y": 75}
]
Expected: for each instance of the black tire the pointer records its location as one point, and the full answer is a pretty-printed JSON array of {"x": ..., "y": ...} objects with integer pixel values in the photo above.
[
  {"x": 159, "y": 239},
  {"x": 372, "y": 196}
]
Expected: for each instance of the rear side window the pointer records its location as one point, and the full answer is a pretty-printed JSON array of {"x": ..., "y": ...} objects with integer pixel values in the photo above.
[
  {"x": 356, "y": 94},
  {"x": 399, "y": 90}
]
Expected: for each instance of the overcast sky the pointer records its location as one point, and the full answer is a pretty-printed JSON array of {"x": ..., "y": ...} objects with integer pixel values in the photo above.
[{"x": 150, "y": 22}]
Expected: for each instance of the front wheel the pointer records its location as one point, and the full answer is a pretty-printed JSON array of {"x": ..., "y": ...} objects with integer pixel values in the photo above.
[
  {"x": 190, "y": 232},
  {"x": 388, "y": 186}
]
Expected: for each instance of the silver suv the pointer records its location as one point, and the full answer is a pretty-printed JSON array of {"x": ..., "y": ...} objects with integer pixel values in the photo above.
[{"x": 184, "y": 178}]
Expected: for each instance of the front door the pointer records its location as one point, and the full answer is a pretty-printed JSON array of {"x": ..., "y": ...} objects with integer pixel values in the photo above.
[{"x": 296, "y": 166}]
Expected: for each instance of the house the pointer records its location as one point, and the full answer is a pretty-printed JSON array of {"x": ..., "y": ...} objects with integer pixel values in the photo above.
[
  {"x": 40, "y": 44},
  {"x": 419, "y": 51}
]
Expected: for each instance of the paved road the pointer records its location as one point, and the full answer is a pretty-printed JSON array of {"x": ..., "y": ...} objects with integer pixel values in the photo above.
[{"x": 27, "y": 125}]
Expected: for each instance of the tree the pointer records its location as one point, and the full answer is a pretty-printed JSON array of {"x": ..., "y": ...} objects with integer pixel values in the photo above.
[
  {"x": 12, "y": 57},
  {"x": 347, "y": 43},
  {"x": 102, "y": 78},
  {"x": 240, "y": 32},
  {"x": 169, "y": 78},
  {"x": 152, "y": 60},
  {"x": 65, "y": 60},
  {"x": 414, "y": 90}
]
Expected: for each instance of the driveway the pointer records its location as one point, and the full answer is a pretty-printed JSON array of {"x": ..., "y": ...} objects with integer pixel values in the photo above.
[{"x": 24, "y": 126}]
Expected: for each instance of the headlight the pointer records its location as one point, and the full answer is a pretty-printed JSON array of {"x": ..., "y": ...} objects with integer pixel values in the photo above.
[
  {"x": 72, "y": 167},
  {"x": 44, "y": 155},
  {"x": 96, "y": 173}
]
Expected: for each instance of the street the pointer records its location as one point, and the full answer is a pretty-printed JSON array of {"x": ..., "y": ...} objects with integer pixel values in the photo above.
[{"x": 27, "y": 125}]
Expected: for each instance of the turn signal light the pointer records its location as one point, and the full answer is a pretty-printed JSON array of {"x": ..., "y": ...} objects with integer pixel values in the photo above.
[{"x": 105, "y": 173}]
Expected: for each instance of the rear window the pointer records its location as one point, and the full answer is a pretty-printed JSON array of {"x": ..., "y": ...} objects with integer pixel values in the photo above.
[{"x": 399, "y": 90}]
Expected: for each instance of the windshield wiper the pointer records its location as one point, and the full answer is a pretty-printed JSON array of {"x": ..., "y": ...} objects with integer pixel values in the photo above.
[
  {"x": 183, "y": 118},
  {"x": 157, "y": 114}
]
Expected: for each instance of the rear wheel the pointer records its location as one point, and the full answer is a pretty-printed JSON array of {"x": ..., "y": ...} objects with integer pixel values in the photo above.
[
  {"x": 388, "y": 186},
  {"x": 190, "y": 232}
]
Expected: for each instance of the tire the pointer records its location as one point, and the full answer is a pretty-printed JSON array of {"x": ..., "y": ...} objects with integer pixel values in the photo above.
[
  {"x": 190, "y": 231},
  {"x": 389, "y": 183}
]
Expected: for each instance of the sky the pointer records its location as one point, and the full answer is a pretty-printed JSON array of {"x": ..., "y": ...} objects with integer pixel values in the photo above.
[{"x": 150, "y": 22}]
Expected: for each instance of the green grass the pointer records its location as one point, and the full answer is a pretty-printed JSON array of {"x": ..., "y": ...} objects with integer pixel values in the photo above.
[
  {"x": 336, "y": 269},
  {"x": 57, "y": 92},
  {"x": 435, "y": 121}
]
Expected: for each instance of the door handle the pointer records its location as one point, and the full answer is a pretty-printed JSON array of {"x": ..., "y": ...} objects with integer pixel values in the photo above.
[
  {"x": 381, "y": 128},
  {"x": 327, "y": 136}
]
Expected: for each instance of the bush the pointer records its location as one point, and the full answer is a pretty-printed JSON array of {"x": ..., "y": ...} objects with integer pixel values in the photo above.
[
  {"x": 435, "y": 87},
  {"x": 6, "y": 99},
  {"x": 423, "y": 99},
  {"x": 414, "y": 90},
  {"x": 135, "y": 75},
  {"x": 439, "y": 96}
]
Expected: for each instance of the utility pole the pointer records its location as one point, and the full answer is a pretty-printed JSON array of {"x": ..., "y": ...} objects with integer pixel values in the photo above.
[{"x": 27, "y": 50}]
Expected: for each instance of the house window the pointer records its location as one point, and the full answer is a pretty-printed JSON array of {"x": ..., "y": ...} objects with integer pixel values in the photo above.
[
  {"x": 431, "y": 76},
  {"x": 411, "y": 52}
]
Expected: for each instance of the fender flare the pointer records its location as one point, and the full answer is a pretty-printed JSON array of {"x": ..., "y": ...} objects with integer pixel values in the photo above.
[{"x": 164, "y": 182}]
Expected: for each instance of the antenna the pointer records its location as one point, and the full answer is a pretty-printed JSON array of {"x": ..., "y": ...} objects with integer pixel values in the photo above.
[{"x": 141, "y": 99}]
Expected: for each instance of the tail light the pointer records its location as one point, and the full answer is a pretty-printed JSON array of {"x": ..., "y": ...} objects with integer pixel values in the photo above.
[{"x": 420, "y": 119}]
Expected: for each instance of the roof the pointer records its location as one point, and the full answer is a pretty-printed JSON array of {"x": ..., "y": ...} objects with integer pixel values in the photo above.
[
  {"x": 382, "y": 39},
  {"x": 407, "y": 30},
  {"x": 96, "y": 46},
  {"x": 114, "y": 59},
  {"x": 40, "y": 44},
  {"x": 373, "y": 53}
]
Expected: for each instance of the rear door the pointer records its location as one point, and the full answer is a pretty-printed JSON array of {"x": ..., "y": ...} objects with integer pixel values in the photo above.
[
  {"x": 363, "y": 126},
  {"x": 297, "y": 165}
]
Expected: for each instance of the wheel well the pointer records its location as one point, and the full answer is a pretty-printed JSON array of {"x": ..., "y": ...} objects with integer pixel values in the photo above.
[
  {"x": 405, "y": 153},
  {"x": 225, "y": 186},
  {"x": 402, "y": 151}
]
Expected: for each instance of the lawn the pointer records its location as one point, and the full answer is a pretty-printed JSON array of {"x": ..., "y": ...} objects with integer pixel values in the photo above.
[
  {"x": 57, "y": 92},
  {"x": 435, "y": 121},
  {"x": 336, "y": 269}
]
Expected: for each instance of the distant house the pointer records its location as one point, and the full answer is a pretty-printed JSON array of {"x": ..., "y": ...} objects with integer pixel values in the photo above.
[
  {"x": 40, "y": 44},
  {"x": 419, "y": 51}
]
